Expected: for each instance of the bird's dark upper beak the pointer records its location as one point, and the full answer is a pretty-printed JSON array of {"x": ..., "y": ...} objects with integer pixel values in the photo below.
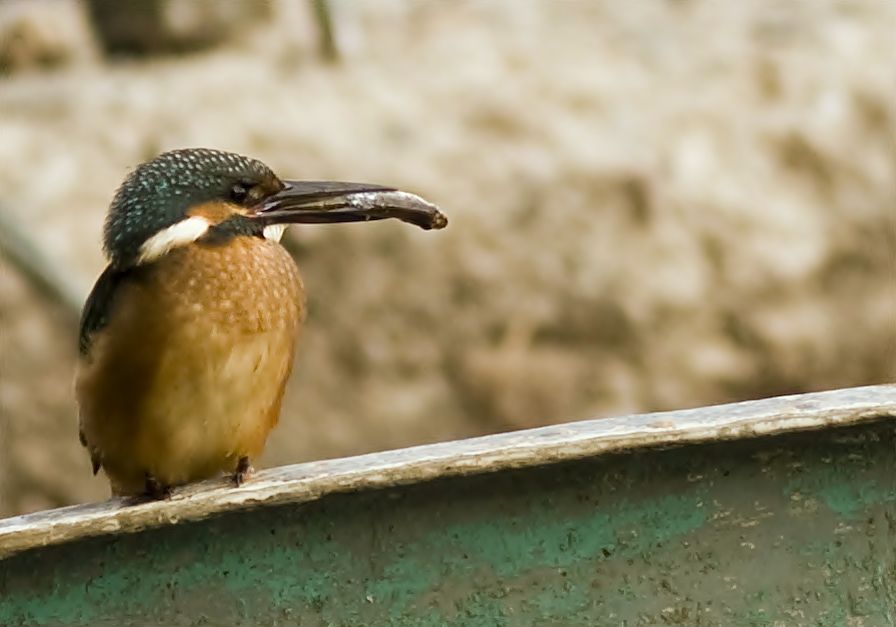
[{"x": 319, "y": 202}]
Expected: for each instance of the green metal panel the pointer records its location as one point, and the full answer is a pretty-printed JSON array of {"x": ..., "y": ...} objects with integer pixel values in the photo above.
[{"x": 790, "y": 529}]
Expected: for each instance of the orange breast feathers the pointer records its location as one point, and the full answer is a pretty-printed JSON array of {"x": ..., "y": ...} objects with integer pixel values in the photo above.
[{"x": 188, "y": 374}]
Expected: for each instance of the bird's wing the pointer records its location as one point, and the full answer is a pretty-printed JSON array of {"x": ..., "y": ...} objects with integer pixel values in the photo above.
[
  {"x": 94, "y": 317},
  {"x": 96, "y": 310}
]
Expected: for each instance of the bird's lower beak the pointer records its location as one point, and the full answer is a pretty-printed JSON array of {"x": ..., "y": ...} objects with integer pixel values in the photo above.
[{"x": 318, "y": 202}]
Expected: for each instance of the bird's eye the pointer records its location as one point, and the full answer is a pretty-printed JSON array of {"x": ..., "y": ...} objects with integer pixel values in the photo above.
[{"x": 239, "y": 192}]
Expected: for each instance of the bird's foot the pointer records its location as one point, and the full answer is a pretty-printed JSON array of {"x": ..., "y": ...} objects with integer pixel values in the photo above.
[
  {"x": 243, "y": 471},
  {"x": 154, "y": 489}
]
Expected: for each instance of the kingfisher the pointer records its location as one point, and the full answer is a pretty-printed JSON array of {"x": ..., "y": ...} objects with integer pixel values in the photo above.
[{"x": 187, "y": 338}]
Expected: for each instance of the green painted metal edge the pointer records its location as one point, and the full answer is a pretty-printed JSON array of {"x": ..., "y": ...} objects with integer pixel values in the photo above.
[
  {"x": 535, "y": 447},
  {"x": 668, "y": 519}
]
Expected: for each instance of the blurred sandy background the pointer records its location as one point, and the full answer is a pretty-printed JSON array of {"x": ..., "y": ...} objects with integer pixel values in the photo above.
[{"x": 653, "y": 204}]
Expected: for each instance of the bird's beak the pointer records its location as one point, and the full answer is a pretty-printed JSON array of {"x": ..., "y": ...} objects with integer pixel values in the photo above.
[{"x": 319, "y": 202}]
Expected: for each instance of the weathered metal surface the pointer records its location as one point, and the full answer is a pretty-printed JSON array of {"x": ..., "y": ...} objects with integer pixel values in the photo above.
[
  {"x": 306, "y": 482},
  {"x": 793, "y": 528}
]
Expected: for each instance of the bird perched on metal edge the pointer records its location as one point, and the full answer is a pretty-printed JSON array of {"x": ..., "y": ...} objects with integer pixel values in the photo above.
[{"x": 187, "y": 338}]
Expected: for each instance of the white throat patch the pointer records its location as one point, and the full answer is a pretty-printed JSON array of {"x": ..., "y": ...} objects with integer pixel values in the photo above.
[
  {"x": 184, "y": 232},
  {"x": 274, "y": 232}
]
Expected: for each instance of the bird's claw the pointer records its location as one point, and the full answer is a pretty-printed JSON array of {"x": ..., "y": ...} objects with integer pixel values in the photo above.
[
  {"x": 243, "y": 471},
  {"x": 156, "y": 490}
]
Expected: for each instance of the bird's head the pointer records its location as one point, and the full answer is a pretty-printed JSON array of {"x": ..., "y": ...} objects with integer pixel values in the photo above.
[{"x": 188, "y": 195}]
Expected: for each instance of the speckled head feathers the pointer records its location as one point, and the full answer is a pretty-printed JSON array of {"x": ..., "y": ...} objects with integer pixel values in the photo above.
[{"x": 160, "y": 193}]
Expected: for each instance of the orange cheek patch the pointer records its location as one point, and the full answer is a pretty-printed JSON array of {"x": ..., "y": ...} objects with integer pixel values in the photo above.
[{"x": 215, "y": 212}]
